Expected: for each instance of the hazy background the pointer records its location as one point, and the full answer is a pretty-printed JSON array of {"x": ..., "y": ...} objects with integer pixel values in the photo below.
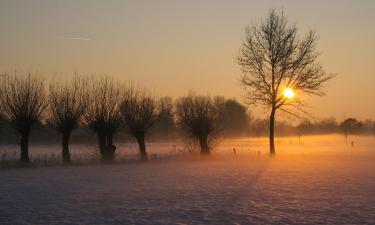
[{"x": 176, "y": 46}]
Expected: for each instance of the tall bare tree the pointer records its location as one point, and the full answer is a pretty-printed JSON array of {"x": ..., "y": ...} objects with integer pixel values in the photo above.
[
  {"x": 199, "y": 116},
  {"x": 274, "y": 58},
  {"x": 103, "y": 113},
  {"x": 67, "y": 104},
  {"x": 22, "y": 103},
  {"x": 140, "y": 111}
]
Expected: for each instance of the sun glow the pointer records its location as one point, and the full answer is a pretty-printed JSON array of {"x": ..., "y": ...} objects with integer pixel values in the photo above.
[{"x": 289, "y": 93}]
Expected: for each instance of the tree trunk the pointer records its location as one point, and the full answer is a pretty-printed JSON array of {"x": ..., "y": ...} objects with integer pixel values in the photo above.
[
  {"x": 346, "y": 135},
  {"x": 102, "y": 144},
  {"x": 205, "y": 150},
  {"x": 110, "y": 149},
  {"x": 142, "y": 147},
  {"x": 65, "y": 147},
  {"x": 272, "y": 132},
  {"x": 25, "y": 147}
]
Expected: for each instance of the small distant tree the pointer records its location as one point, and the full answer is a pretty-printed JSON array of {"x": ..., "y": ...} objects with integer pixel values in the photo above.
[
  {"x": 22, "y": 103},
  {"x": 273, "y": 58},
  {"x": 103, "y": 113},
  {"x": 235, "y": 118},
  {"x": 67, "y": 104},
  {"x": 350, "y": 126},
  {"x": 199, "y": 117},
  {"x": 140, "y": 111}
]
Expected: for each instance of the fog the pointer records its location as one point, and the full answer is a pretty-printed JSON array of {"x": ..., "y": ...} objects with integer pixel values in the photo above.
[{"x": 322, "y": 178}]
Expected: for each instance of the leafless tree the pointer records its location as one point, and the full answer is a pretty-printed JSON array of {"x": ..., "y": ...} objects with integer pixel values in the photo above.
[
  {"x": 67, "y": 104},
  {"x": 103, "y": 114},
  {"x": 22, "y": 103},
  {"x": 274, "y": 58},
  {"x": 140, "y": 111},
  {"x": 200, "y": 117}
]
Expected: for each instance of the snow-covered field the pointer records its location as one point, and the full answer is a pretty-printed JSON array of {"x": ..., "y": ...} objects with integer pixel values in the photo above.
[{"x": 315, "y": 180}]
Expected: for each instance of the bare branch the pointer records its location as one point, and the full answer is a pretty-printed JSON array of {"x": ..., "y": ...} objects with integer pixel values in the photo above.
[
  {"x": 67, "y": 103},
  {"x": 199, "y": 116},
  {"x": 22, "y": 100},
  {"x": 22, "y": 104},
  {"x": 273, "y": 57}
]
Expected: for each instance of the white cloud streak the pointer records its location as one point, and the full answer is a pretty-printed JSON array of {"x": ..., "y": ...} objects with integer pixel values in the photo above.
[{"x": 77, "y": 38}]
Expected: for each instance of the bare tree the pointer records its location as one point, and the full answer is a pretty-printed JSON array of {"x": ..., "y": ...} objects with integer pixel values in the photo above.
[
  {"x": 274, "y": 59},
  {"x": 200, "y": 117},
  {"x": 67, "y": 104},
  {"x": 103, "y": 113},
  {"x": 22, "y": 102},
  {"x": 140, "y": 111}
]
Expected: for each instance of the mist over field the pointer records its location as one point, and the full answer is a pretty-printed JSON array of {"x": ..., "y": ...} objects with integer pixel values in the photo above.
[
  {"x": 317, "y": 179},
  {"x": 310, "y": 145}
]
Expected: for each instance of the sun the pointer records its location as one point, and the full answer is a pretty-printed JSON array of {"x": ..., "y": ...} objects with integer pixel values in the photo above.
[{"x": 289, "y": 93}]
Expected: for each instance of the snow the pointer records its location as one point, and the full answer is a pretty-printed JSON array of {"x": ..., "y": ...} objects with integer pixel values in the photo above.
[{"x": 315, "y": 180}]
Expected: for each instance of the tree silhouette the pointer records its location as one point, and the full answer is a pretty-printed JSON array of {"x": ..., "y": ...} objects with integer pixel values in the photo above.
[
  {"x": 274, "y": 58},
  {"x": 139, "y": 110},
  {"x": 22, "y": 103},
  {"x": 103, "y": 113},
  {"x": 67, "y": 104},
  {"x": 235, "y": 119},
  {"x": 199, "y": 116},
  {"x": 349, "y": 126}
]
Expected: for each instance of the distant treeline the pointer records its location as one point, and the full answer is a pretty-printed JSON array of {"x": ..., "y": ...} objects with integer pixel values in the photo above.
[
  {"x": 349, "y": 126},
  {"x": 237, "y": 122}
]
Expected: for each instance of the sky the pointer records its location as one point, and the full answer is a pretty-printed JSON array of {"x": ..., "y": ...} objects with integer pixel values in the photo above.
[{"x": 174, "y": 46}]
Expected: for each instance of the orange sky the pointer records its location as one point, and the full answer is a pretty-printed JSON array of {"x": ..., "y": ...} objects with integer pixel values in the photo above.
[{"x": 174, "y": 46}]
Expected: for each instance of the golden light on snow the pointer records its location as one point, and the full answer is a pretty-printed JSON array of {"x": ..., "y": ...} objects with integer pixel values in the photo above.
[{"x": 289, "y": 93}]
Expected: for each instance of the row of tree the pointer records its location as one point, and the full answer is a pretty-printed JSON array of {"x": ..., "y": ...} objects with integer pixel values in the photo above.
[{"x": 103, "y": 105}]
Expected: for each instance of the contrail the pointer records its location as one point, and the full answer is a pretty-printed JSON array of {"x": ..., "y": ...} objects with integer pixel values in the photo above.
[{"x": 77, "y": 38}]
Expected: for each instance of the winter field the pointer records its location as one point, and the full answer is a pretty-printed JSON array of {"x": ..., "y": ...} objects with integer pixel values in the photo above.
[{"x": 315, "y": 180}]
